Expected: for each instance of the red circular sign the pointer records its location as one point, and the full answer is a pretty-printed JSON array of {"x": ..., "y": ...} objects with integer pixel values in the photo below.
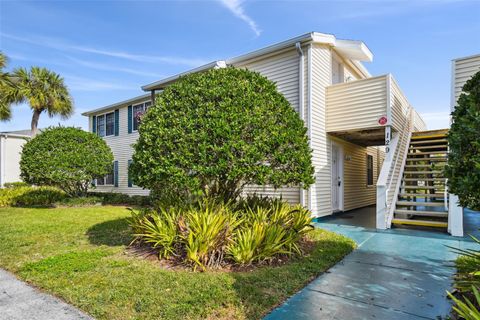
[{"x": 383, "y": 120}]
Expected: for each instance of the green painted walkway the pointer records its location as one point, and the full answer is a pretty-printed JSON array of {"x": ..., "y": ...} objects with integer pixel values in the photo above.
[{"x": 395, "y": 274}]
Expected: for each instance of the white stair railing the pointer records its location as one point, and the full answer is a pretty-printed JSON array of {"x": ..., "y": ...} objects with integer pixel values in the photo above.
[{"x": 390, "y": 177}]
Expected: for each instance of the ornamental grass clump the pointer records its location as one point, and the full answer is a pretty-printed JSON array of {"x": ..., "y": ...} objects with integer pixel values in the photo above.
[{"x": 212, "y": 234}]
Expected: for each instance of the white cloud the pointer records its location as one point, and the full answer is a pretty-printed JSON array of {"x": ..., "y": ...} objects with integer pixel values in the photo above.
[
  {"x": 85, "y": 84},
  {"x": 235, "y": 6},
  {"x": 101, "y": 66},
  {"x": 436, "y": 120},
  {"x": 63, "y": 46}
]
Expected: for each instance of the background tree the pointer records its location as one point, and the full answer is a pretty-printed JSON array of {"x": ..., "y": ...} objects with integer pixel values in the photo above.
[
  {"x": 216, "y": 132},
  {"x": 43, "y": 90},
  {"x": 6, "y": 90},
  {"x": 463, "y": 168},
  {"x": 67, "y": 158}
]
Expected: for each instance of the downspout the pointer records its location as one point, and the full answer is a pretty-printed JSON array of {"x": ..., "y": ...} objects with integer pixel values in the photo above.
[
  {"x": 309, "y": 113},
  {"x": 301, "y": 106},
  {"x": 152, "y": 96}
]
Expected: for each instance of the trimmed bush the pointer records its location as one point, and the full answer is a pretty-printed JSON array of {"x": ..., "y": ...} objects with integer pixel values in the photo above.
[
  {"x": 212, "y": 133},
  {"x": 67, "y": 158},
  {"x": 212, "y": 233},
  {"x": 115, "y": 198},
  {"x": 30, "y": 196},
  {"x": 15, "y": 184}
]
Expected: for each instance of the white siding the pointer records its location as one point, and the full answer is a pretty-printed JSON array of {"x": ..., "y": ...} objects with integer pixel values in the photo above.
[
  {"x": 122, "y": 150},
  {"x": 283, "y": 69},
  {"x": 356, "y": 105},
  {"x": 463, "y": 70},
  {"x": 10, "y": 156},
  {"x": 321, "y": 145}
]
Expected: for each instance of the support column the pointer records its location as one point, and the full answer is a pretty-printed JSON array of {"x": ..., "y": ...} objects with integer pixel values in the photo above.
[{"x": 455, "y": 216}]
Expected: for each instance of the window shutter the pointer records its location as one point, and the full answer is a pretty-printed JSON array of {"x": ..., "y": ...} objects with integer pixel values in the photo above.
[
  {"x": 130, "y": 184},
  {"x": 115, "y": 174},
  {"x": 130, "y": 116},
  {"x": 117, "y": 120},
  {"x": 94, "y": 124}
]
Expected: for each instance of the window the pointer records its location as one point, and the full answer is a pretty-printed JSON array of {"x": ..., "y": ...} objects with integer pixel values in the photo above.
[
  {"x": 369, "y": 170},
  {"x": 110, "y": 123},
  {"x": 137, "y": 112},
  {"x": 101, "y": 125},
  {"x": 106, "y": 124},
  {"x": 108, "y": 179}
]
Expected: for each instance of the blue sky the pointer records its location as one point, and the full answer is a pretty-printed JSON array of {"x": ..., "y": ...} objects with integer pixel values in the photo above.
[{"x": 106, "y": 50}]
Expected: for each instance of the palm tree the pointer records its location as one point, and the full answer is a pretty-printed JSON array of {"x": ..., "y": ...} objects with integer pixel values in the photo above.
[
  {"x": 6, "y": 86},
  {"x": 43, "y": 90}
]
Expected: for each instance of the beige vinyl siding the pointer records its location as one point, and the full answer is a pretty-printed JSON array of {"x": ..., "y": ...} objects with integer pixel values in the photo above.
[
  {"x": 320, "y": 143},
  {"x": 463, "y": 70},
  {"x": 400, "y": 106},
  {"x": 356, "y": 105},
  {"x": 418, "y": 123},
  {"x": 283, "y": 69},
  {"x": 122, "y": 150},
  {"x": 356, "y": 192}
]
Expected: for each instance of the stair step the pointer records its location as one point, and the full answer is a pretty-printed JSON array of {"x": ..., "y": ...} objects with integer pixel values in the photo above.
[
  {"x": 423, "y": 172},
  {"x": 416, "y": 147},
  {"x": 429, "y": 141},
  {"x": 422, "y": 187},
  {"x": 424, "y": 179},
  {"x": 425, "y": 153},
  {"x": 439, "y": 159},
  {"x": 422, "y": 223},
  {"x": 423, "y": 213},
  {"x": 419, "y": 165},
  {"x": 420, "y": 204},
  {"x": 421, "y": 195}
]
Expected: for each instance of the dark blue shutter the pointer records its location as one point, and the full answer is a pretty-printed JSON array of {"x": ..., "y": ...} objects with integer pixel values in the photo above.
[
  {"x": 130, "y": 184},
  {"x": 130, "y": 116},
  {"x": 117, "y": 120},
  {"x": 94, "y": 124},
  {"x": 115, "y": 173}
]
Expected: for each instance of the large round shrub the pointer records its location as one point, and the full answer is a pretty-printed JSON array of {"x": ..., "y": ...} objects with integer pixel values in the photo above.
[
  {"x": 217, "y": 131},
  {"x": 463, "y": 169},
  {"x": 68, "y": 158}
]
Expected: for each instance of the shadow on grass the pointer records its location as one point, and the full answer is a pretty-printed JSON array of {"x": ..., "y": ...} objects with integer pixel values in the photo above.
[{"x": 110, "y": 233}]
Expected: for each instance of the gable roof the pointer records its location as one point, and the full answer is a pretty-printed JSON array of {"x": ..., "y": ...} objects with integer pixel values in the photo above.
[{"x": 353, "y": 50}]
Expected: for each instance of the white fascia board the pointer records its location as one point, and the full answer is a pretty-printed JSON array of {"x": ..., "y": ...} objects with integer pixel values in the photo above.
[
  {"x": 467, "y": 57},
  {"x": 161, "y": 83},
  {"x": 304, "y": 38},
  {"x": 354, "y": 50},
  {"x": 117, "y": 104},
  {"x": 13, "y": 135}
]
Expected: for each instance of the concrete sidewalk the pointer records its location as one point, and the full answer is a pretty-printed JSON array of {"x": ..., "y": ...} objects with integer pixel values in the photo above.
[
  {"x": 19, "y": 301},
  {"x": 395, "y": 274}
]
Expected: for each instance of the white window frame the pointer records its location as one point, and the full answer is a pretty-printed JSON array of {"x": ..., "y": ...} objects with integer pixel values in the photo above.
[
  {"x": 143, "y": 109},
  {"x": 104, "y": 115}
]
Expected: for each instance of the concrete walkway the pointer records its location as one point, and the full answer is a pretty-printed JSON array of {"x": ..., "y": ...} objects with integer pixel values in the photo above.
[
  {"x": 19, "y": 301},
  {"x": 396, "y": 274}
]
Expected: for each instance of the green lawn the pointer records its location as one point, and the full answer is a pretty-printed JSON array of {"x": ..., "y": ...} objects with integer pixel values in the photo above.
[{"x": 79, "y": 255}]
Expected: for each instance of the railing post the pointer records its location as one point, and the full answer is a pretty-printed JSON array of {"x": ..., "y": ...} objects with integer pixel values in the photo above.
[
  {"x": 388, "y": 141},
  {"x": 455, "y": 216},
  {"x": 381, "y": 222}
]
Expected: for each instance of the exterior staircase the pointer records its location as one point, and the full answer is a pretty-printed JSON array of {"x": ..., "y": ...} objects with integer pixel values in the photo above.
[{"x": 422, "y": 196}]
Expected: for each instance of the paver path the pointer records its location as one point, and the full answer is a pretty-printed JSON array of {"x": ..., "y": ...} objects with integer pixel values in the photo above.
[
  {"x": 19, "y": 301},
  {"x": 396, "y": 274}
]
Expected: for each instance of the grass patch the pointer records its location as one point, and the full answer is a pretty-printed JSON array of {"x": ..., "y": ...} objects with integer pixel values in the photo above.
[{"x": 79, "y": 255}]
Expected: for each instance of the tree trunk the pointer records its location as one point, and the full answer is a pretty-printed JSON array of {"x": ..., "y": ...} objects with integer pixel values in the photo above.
[{"x": 35, "y": 118}]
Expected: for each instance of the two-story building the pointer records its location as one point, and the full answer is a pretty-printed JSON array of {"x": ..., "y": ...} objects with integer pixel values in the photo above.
[{"x": 355, "y": 122}]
